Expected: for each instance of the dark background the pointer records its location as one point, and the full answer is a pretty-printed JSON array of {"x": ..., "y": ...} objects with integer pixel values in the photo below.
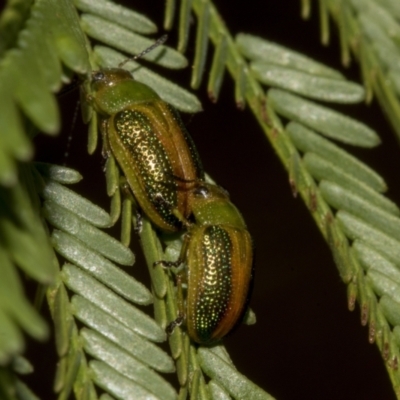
[{"x": 306, "y": 344}]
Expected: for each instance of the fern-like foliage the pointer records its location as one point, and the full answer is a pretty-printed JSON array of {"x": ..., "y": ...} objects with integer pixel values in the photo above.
[
  {"x": 107, "y": 346},
  {"x": 370, "y": 31}
]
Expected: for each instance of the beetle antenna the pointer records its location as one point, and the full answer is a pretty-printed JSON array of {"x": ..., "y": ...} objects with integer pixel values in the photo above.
[{"x": 159, "y": 42}]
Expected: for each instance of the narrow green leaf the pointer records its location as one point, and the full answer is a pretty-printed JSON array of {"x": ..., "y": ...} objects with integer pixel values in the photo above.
[
  {"x": 203, "y": 389},
  {"x": 100, "y": 268},
  {"x": 65, "y": 31},
  {"x": 383, "y": 285},
  {"x": 7, "y": 381},
  {"x": 45, "y": 51},
  {"x": 60, "y": 375},
  {"x": 106, "y": 396},
  {"x": 140, "y": 348},
  {"x": 120, "y": 15},
  {"x": 367, "y": 77},
  {"x": 330, "y": 123},
  {"x": 296, "y": 179},
  {"x": 217, "y": 69},
  {"x": 126, "y": 222},
  {"x": 344, "y": 18},
  {"x": 221, "y": 352},
  {"x": 340, "y": 250},
  {"x": 14, "y": 302},
  {"x": 24, "y": 250},
  {"x": 305, "y": 9},
  {"x": 83, "y": 284},
  {"x": 42, "y": 52},
  {"x": 396, "y": 334},
  {"x": 326, "y": 170},
  {"x": 169, "y": 15},
  {"x": 256, "y": 48},
  {"x": 118, "y": 385},
  {"x": 153, "y": 252},
  {"x": 8, "y": 175},
  {"x": 182, "y": 364},
  {"x": 92, "y": 134},
  {"x": 58, "y": 173},
  {"x": 160, "y": 312},
  {"x": 12, "y": 20},
  {"x": 93, "y": 237},
  {"x": 355, "y": 228},
  {"x": 197, "y": 385},
  {"x": 112, "y": 175},
  {"x": 22, "y": 366},
  {"x": 386, "y": 50},
  {"x": 23, "y": 392},
  {"x": 231, "y": 380},
  {"x": 23, "y": 232},
  {"x": 372, "y": 260},
  {"x": 362, "y": 293},
  {"x": 324, "y": 21},
  {"x": 394, "y": 77},
  {"x": 115, "y": 207},
  {"x": 308, "y": 85},
  {"x": 74, "y": 359},
  {"x": 240, "y": 86},
  {"x": 343, "y": 199},
  {"x": 122, "y": 39},
  {"x": 173, "y": 94},
  {"x": 195, "y": 382},
  {"x": 386, "y": 94},
  {"x": 12, "y": 341},
  {"x": 175, "y": 339},
  {"x": 184, "y": 24},
  {"x": 391, "y": 309},
  {"x": 384, "y": 18},
  {"x": 392, "y": 6},
  {"x": 114, "y": 356},
  {"x": 308, "y": 141},
  {"x": 217, "y": 392},
  {"x": 13, "y": 138},
  {"x": 75, "y": 203},
  {"x": 89, "y": 392},
  {"x": 62, "y": 321},
  {"x": 38, "y": 104},
  {"x": 183, "y": 393},
  {"x": 200, "y": 55}
]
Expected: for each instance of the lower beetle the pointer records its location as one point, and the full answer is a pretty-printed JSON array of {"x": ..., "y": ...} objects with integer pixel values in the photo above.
[{"x": 218, "y": 253}]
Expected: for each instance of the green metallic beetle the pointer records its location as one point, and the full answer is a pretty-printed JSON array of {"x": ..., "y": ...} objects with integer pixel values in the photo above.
[
  {"x": 150, "y": 144},
  {"x": 164, "y": 172},
  {"x": 218, "y": 253}
]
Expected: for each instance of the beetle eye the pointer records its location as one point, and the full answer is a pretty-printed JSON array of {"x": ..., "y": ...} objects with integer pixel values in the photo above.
[{"x": 201, "y": 191}]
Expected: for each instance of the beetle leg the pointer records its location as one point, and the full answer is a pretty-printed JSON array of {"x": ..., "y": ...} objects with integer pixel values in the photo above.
[
  {"x": 139, "y": 222},
  {"x": 105, "y": 151},
  {"x": 168, "y": 264},
  {"x": 172, "y": 325},
  {"x": 181, "y": 258}
]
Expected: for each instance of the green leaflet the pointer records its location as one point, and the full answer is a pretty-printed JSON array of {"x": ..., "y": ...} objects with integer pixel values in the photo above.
[
  {"x": 330, "y": 123},
  {"x": 118, "y": 14}
]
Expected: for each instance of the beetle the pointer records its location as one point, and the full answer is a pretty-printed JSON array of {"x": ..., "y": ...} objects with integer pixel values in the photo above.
[
  {"x": 164, "y": 172},
  {"x": 149, "y": 142},
  {"x": 218, "y": 253}
]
